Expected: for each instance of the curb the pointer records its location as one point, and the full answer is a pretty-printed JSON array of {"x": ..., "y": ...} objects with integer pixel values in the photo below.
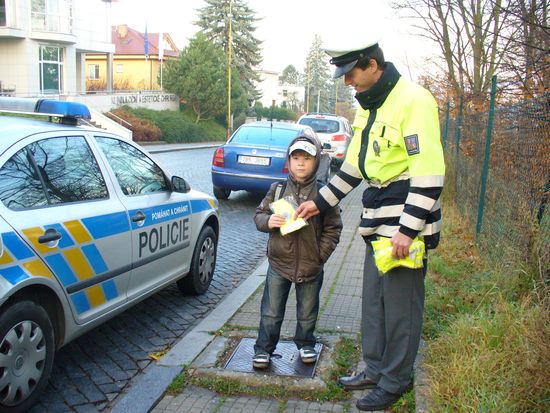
[
  {"x": 151, "y": 386},
  {"x": 178, "y": 147}
]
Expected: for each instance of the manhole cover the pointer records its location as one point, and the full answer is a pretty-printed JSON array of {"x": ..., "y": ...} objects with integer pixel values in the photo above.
[{"x": 285, "y": 360}]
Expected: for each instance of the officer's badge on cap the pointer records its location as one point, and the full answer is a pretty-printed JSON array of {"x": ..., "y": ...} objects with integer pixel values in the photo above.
[
  {"x": 303, "y": 146},
  {"x": 346, "y": 53}
]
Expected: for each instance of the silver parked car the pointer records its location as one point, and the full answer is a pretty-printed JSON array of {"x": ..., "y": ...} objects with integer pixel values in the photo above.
[
  {"x": 333, "y": 130},
  {"x": 89, "y": 225}
]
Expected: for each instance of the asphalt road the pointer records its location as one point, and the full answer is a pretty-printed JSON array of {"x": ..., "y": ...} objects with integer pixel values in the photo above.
[{"x": 92, "y": 371}]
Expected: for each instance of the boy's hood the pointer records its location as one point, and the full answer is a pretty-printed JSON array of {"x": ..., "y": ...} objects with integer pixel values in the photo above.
[{"x": 309, "y": 135}]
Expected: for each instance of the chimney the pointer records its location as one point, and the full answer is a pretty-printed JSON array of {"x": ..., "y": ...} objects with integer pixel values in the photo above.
[{"x": 122, "y": 30}]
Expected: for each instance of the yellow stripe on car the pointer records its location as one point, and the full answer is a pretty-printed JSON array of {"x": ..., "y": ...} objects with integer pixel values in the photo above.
[
  {"x": 38, "y": 269},
  {"x": 78, "y": 232}
]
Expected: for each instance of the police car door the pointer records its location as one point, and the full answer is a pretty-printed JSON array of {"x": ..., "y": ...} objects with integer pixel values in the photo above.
[
  {"x": 161, "y": 231},
  {"x": 57, "y": 199}
]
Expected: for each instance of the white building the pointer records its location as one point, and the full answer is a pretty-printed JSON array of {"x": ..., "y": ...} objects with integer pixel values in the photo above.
[
  {"x": 43, "y": 44},
  {"x": 274, "y": 93}
]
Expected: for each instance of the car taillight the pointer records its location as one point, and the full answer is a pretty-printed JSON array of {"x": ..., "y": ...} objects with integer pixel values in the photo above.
[
  {"x": 338, "y": 138},
  {"x": 285, "y": 168},
  {"x": 218, "y": 158}
]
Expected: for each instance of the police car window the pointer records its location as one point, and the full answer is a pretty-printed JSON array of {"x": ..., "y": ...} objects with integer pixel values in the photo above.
[
  {"x": 69, "y": 170},
  {"x": 136, "y": 173},
  {"x": 20, "y": 185}
]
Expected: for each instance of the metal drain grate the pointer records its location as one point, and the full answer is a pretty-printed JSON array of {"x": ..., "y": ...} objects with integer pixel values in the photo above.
[{"x": 285, "y": 360}]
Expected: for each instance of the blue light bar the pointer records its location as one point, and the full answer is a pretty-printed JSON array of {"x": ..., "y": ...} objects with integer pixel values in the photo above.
[{"x": 46, "y": 107}]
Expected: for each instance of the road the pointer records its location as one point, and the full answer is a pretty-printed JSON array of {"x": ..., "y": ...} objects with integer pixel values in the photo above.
[{"x": 92, "y": 371}]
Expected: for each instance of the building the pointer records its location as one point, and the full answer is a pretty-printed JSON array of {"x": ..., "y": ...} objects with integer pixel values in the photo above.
[
  {"x": 275, "y": 93},
  {"x": 132, "y": 68},
  {"x": 43, "y": 44}
]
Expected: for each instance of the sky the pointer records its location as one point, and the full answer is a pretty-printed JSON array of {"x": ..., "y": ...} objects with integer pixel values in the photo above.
[{"x": 287, "y": 27}]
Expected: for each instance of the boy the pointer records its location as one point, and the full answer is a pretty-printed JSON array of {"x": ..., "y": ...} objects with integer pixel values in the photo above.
[{"x": 297, "y": 257}]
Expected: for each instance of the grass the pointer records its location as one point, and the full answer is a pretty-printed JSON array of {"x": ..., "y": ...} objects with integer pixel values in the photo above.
[{"x": 488, "y": 332}]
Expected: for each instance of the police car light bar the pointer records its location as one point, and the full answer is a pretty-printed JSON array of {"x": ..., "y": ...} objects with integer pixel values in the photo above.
[{"x": 45, "y": 107}]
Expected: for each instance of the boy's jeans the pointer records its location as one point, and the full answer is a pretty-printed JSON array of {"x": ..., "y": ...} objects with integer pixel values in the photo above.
[{"x": 274, "y": 299}]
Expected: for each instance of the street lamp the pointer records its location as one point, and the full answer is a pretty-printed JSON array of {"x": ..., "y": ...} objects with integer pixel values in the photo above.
[{"x": 229, "y": 46}]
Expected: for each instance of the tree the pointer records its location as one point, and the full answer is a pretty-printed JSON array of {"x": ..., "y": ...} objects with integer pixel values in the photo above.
[
  {"x": 469, "y": 35},
  {"x": 316, "y": 78},
  {"x": 340, "y": 96},
  {"x": 245, "y": 48},
  {"x": 199, "y": 77},
  {"x": 290, "y": 76}
]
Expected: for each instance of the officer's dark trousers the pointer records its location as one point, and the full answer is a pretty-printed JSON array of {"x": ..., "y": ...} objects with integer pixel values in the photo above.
[{"x": 391, "y": 323}]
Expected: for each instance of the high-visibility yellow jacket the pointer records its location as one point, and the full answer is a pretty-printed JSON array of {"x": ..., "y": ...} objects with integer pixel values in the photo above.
[{"x": 397, "y": 149}]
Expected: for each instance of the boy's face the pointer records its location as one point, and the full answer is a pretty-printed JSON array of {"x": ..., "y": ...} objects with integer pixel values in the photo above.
[{"x": 301, "y": 165}]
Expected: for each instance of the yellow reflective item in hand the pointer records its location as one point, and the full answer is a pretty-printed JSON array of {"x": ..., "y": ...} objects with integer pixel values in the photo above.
[
  {"x": 384, "y": 261},
  {"x": 287, "y": 210}
]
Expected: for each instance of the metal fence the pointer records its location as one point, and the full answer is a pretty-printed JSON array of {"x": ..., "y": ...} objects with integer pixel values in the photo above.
[{"x": 498, "y": 162}]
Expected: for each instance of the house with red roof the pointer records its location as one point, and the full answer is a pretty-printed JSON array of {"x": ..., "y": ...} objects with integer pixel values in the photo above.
[{"x": 137, "y": 61}]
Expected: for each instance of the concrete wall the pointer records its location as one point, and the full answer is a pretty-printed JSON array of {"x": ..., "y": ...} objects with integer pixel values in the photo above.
[{"x": 105, "y": 103}]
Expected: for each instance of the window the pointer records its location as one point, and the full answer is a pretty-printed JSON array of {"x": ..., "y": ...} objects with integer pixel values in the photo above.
[
  {"x": 51, "y": 69},
  {"x": 136, "y": 172},
  {"x": 3, "y": 20},
  {"x": 51, "y": 171},
  {"x": 119, "y": 68},
  {"x": 20, "y": 185},
  {"x": 52, "y": 15},
  {"x": 93, "y": 72}
]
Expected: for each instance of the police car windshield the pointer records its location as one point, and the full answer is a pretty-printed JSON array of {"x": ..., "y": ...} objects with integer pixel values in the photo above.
[
  {"x": 264, "y": 136},
  {"x": 321, "y": 125}
]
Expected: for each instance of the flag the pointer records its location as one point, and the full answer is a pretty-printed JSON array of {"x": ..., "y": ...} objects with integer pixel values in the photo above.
[
  {"x": 161, "y": 45},
  {"x": 146, "y": 43}
]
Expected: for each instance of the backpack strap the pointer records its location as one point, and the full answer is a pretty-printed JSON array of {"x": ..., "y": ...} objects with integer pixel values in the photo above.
[{"x": 279, "y": 190}]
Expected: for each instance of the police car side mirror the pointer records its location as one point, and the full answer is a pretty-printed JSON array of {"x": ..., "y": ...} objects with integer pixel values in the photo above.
[{"x": 180, "y": 185}]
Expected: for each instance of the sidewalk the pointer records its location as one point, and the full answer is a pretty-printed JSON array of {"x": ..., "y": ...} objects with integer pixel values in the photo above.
[{"x": 238, "y": 315}]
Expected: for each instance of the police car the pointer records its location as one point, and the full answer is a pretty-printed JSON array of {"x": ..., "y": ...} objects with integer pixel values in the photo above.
[{"x": 89, "y": 225}]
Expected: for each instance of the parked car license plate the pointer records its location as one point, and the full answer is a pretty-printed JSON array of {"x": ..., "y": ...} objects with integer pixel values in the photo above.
[{"x": 253, "y": 160}]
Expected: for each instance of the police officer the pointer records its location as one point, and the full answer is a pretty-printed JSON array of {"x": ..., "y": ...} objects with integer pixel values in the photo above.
[{"x": 396, "y": 149}]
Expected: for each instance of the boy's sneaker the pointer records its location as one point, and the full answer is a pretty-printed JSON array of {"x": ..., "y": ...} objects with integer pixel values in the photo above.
[
  {"x": 308, "y": 355},
  {"x": 261, "y": 360}
]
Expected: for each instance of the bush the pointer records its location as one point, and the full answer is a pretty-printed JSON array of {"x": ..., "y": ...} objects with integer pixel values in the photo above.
[
  {"x": 143, "y": 130},
  {"x": 176, "y": 126}
]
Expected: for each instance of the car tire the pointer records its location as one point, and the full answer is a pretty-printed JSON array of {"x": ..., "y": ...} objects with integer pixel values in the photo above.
[
  {"x": 27, "y": 347},
  {"x": 203, "y": 264},
  {"x": 221, "y": 193}
]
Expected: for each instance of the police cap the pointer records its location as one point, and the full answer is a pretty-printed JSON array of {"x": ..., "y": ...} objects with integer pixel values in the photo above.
[{"x": 344, "y": 55}]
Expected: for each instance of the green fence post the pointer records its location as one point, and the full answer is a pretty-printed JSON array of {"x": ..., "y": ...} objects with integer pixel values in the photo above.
[
  {"x": 446, "y": 128},
  {"x": 457, "y": 132},
  {"x": 485, "y": 170}
]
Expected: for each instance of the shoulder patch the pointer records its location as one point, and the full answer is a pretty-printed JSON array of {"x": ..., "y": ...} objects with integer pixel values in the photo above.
[{"x": 411, "y": 143}]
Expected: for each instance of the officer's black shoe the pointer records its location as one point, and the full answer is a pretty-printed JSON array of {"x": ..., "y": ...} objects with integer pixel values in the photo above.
[
  {"x": 358, "y": 382},
  {"x": 378, "y": 399}
]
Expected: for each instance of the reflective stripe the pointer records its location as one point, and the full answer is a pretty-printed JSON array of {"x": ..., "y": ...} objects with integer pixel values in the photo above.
[
  {"x": 376, "y": 184},
  {"x": 383, "y": 230},
  {"x": 411, "y": 222},
  {"x": 38, "y": 269},
  {"x": 351, "y": 170},
  {"x": 427, "y": 181},
  {"x": 431, "y": 229},
  {"x": 340, "y": 184},
  {"x": 383, "y": 212},
  {"x": 329, "y": 196},
  {"x": 5, "y": 258},
  {"x": 77, "y": 230},
  {"x": 421, "y": 201}
]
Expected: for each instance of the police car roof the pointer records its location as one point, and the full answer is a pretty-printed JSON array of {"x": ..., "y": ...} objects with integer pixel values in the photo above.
[{"x": 15, "y": 128}]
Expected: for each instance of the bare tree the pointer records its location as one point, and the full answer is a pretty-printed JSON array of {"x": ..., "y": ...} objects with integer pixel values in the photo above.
[{"x": 469, "y": 35}]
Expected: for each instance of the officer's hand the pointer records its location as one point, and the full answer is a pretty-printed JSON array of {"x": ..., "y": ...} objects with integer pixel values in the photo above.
[
  {"x": 276, "y": 221},
  {"x": 306, "y": 210},
  {"x": 401, "y": 244}
]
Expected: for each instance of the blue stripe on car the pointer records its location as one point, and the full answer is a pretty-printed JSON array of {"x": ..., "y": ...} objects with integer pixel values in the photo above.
[
  {"x": 61, "y": 269},
  {"x": 80, "y": 302},
  {"x": 17, "y": 247},
  {"x": 106, "y": 225},
  {"x": 158, "y": 214},
  {"x": 94, "y": 258},
  {"x": 14, "y": 274},
  {"x": 199, "y": 205}
]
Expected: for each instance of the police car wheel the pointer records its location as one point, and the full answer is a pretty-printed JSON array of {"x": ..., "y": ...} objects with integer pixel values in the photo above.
[
  {"x": 221, "y": 193},
  {"x": 202, "y": 265},
  {"x": 26, "y": 355}
]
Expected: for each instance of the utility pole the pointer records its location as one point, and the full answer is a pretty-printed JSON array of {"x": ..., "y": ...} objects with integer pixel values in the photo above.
[{"x": 229, "y": 47}]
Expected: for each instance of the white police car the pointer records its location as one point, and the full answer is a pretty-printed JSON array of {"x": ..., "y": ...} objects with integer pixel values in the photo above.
[{"x": 89, "y": 225}]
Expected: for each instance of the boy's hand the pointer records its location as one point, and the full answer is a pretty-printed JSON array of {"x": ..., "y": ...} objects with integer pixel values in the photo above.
[
  {"x": 276, "y": 221},
  {"x": 306, "y": 210}
]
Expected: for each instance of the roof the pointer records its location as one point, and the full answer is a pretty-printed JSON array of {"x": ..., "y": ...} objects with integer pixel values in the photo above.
[{"x": 129, "y": 41}]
